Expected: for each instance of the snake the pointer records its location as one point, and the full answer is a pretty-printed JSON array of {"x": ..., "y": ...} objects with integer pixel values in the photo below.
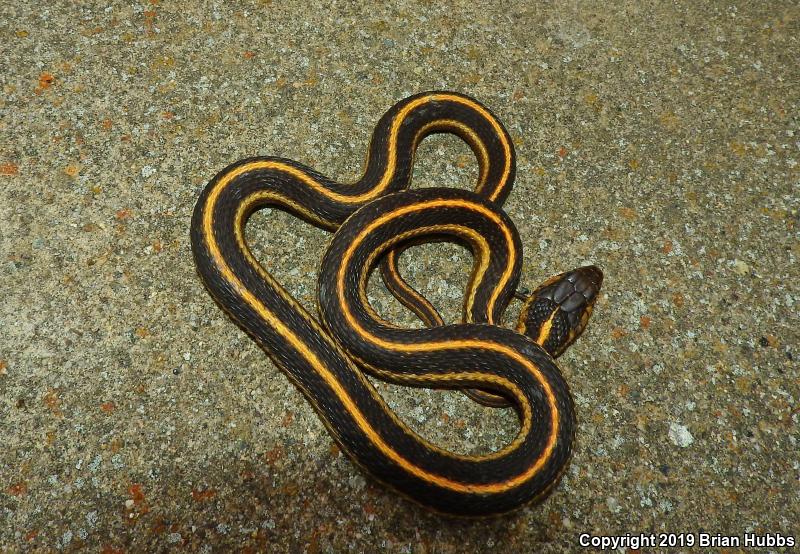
[{"x": 329, "y": 357}]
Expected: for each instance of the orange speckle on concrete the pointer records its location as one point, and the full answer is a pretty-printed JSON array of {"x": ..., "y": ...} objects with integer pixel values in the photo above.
[
  {"x": 287, "y": 419},
  {"x": 46, "y": 80},
  {"x": 678, "y": 300},
  {"x": 159, "y": 526},
  {"x": 72, "y": 170},
  {"x": 106, "y": 124},
  {"x": 617, "y": 333},
  {"x": 628, "y": 213},
  {"x": 137, "y": 495},
  {"x": 203, "y": 495},
  {"x": 666, "y": 248},
  {"x": 108, "y": 549},
  {"x": 30, "y": 535},
  {"x": 18, "y": 489},
  {"x": 107, "y": 407},
  {"x": 167, "y": 115},
  {"x": 249, "y": 54},
  {"x": 562, "y": 152},
  {"x": 51, "y": 401},
  {"x": 142, "y": 332},
  {"x": 645, "y": 321},
  {"x": 633, "y": 163},
  {"x": 123, "y": 214},
  {"x": 9, "y": 168},
  {"x": 464, "y": 160},
  {"x": 149, "y": 20},
  {"x": 3, "y": 366},
  {"x": 274, "y": 455}
]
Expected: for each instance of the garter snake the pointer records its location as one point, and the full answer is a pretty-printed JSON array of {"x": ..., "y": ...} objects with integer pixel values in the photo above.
[{"x": 374, "y": 219}]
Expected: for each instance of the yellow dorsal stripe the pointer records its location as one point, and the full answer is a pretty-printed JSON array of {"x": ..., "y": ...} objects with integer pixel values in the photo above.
[{"x": 544, "y": 332}]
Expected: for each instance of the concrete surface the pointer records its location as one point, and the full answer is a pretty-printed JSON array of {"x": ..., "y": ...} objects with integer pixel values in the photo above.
[{"x": 658, "y": 140}]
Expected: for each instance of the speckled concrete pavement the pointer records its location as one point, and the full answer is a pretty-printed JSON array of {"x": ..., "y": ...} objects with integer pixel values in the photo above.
[{"x": 658, "y": 140}]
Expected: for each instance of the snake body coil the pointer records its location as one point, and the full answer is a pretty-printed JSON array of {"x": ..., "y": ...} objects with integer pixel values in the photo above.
[{"x": 375, "y": 222}]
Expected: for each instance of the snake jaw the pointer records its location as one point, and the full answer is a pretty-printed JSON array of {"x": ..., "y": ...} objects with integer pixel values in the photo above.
[{"x": 556, "y": 313}]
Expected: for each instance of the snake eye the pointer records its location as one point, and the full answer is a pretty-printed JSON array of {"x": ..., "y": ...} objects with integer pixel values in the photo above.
[{"x": 557, "y": 312}]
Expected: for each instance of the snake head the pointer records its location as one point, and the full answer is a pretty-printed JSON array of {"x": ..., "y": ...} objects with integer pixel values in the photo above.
[{"x": 556, "y": 313}]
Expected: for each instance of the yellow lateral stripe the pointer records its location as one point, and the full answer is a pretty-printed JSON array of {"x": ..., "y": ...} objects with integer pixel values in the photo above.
[
  {"x": 459, "y": 100},
  {"x": 279, "y": 199},
  {"x": 391, "y": 162},
  {"x": 483, "y": 247},
  {"x": 468, "y": 135},
  {"x": 472, "y": 236},
  {"x": 427, "y": 346},
  {"x": 243, "y": 208},
  {"x": 498, "y": 130},
  {"x": 275, "y": 322},
  {"x": 505, "y": 277},
  {"x": 398, "y": 282}
]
